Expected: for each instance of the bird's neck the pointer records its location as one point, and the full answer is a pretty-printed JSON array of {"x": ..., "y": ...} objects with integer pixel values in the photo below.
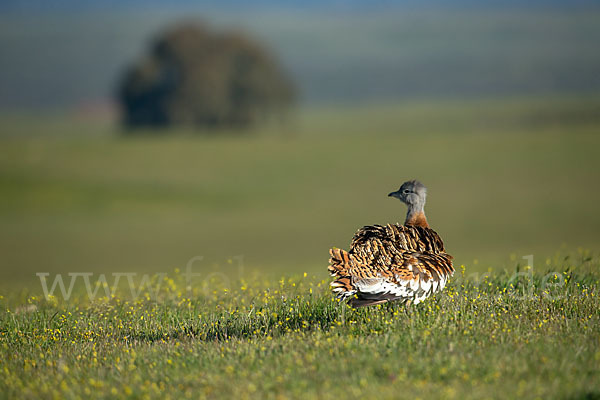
[{"x": 416, "y": 217}]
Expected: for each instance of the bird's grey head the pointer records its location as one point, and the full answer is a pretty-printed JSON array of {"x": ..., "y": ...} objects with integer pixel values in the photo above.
[{"x": 412, "y": 193}]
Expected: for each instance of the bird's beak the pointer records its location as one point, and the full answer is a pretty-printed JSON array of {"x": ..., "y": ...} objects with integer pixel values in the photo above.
[{"x": 394, "y": 194}]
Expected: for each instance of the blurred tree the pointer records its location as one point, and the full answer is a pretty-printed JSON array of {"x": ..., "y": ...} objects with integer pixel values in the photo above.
[{"x": 196, "y": 77}]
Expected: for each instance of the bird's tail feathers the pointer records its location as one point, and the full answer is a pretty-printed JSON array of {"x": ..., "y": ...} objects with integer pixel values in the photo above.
[
  {"x": 339, "y": 267},
  {"x": 339, "y": 263}
]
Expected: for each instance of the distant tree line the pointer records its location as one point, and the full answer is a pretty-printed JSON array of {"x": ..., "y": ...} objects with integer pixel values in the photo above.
[{"x": 195, "y": 77}]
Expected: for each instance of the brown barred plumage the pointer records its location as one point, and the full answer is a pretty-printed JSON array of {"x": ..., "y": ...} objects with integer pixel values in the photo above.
[{"x": 393, "y": 262}]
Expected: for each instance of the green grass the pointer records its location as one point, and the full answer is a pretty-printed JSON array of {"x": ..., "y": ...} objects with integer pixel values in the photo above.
[
  {"x": 497, "y": 335},
  {"x": 507, "y": 178}
]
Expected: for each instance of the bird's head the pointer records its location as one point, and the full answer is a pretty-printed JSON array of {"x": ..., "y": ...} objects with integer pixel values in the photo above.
[{"x": 411, "y": 193}]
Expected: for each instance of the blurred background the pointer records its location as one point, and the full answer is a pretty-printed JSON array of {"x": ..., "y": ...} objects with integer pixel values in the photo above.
[{"x": 135, "y": 135}]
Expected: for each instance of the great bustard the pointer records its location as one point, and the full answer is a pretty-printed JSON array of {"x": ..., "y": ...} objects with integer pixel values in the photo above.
[{"x": 393, "y": 262}]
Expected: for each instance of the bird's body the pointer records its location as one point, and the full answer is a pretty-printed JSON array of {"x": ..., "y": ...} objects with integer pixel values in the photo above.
[{"x": 406, "y": 262}]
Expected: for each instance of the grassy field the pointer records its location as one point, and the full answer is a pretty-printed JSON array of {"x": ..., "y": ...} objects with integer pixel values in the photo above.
[
  {"x": 505, "y": 177},
  {"x": 503, "y": 335},
  {"x": 255, "y": 214}
]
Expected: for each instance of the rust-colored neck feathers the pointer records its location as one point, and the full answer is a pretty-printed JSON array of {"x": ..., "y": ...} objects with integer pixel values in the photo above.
[{"x": 416, "y": 219}]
